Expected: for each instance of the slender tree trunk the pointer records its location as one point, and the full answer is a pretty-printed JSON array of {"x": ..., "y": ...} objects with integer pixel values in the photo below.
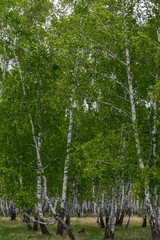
[
  {"x": 65, "y": 176},
  {"x": 70, "y": 205},
  {"x": 37, "y": 142},
  {"x": 35, "y": 226},
  {"x": 155, "y": 197},
  {"x": 153, "y": 220},
  {"x": 94, "y": 201},
  {"x": 107, "y": 213},
  {"x": 110, "y": 224},
  {"x": 101, "y": 211},
  {"x": 7, "y": 209},
  {"x": 144, "y": 214},
  {"x": 2, "y": 207},
  {"x": 114, "y": 193},
  {"x": 124, "y": 204},
  {"x": 37, "y": 147},
  {"x": 119, "y": 204}
]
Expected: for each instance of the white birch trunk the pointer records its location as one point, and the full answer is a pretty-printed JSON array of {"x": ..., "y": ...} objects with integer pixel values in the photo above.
[
  {"x": 94, "y": 202},
  {"x": 119, "y": 202},
  {"x": 2, "y": 207},
  {"x": 39, "y": 164},
  {"x": 7, "y": 208},
  {"x": 66, "y": 165},
  {"x": 55, "y": 204},
  {"x": 39, "y": 170},
  {"x": 155, "y": 197},
  {"x": 65, "y": 177},
  {"x": 112, "y": 225},
  {"x": 154, "y": 222}
]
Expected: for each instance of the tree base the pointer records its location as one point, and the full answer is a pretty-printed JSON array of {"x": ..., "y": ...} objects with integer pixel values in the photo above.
[
  {"x": 44, "y": 228},
  {"x": 60, "y": 225}
]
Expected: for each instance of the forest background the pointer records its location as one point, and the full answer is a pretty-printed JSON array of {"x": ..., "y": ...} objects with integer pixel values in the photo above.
[{"x": 79, "y": 109}]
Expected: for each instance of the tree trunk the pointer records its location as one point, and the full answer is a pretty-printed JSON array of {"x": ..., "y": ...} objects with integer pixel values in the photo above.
[
  {"x": 106, "y": 234},
  {"x": 119, "y": 203},
  {"x": 101, "y": 211},
  {"x": 13, "y": 215},
  {"x": 124, "y": 203},
  {"x": 37, "y": 142},
  {"x": 112, "y": 225},
  {"x": 37, "y": 147},
  {"x": 65, "y": 176},
  {"x": 68, "y": 220},
  {"x": 70, "y": 205},
  {"x": 144, "y": 214},
  {"x": 35, "y": 226},
  {"x": 2, "y": 207},
  {"x": 27, "y": 221},
  {"x": 60, "y": 224},
  {"x": 153, "y": 220}
]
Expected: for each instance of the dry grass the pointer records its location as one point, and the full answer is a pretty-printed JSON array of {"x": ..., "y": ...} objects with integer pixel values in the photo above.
[{"x": 16, "y": 230}]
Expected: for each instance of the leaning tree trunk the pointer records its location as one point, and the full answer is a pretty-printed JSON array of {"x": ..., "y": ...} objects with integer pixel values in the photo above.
[
  {"x": 27, "y": 221},
  {"x": 37, "y": 142},
  {"x": 154, "y": 223},
  {"x": 59, "y": 219},
  {"x": 65, "y": 176},
  {"x": 37, "y": 147}
]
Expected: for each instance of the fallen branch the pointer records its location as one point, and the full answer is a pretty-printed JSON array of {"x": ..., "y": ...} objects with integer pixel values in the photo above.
[{"x": 33, "y": 220}]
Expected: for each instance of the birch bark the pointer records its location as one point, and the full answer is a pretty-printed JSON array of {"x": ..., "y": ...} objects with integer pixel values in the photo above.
[
  {"x": 66, "y": 165},
  {"x": 37, "y": 147},
  {"x": 155, "y": 197},
  {"x": 154, "y": 222}
]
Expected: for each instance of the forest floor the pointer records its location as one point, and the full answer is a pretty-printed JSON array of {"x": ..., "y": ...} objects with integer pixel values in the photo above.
[{"x": 17, "y": 230}]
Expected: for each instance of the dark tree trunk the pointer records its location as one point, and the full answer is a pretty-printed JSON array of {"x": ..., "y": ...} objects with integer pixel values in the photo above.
[
  {"x": 68, "y": 220},
  {"x": 107, "y": 228},
  {"x": 111, "y": 235},
  {"x": 13, "y": 215},
  {"x": 144, "y": 221},
  {"x": 29, "y": 211},
  {"x": 79, "y": 213},
  {"x": 128, "y": 219},
  {"x": 60, "y": 225},
  {"x": 35, "y": 226},
  {"x": 27, "y": 221},
  {"x": 117, "y": 218},
  {"x": 121, "y": 219},
  {"x": 107, "y": 219},
  {"x": 106, "y": 234},
  {"x": 44, "y": 228},
  {"x": 101, "y": 221}
]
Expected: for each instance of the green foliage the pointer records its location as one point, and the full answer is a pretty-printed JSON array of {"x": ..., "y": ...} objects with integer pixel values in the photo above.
[{"x": 24, "y": 199}]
